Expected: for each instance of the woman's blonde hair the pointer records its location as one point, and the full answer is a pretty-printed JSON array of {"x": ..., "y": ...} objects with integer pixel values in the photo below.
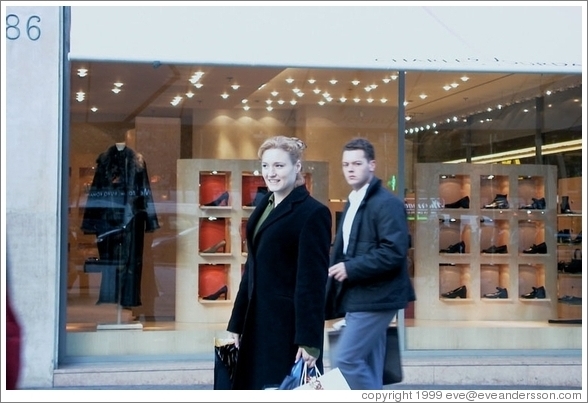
[{"x": 292, "y": 145}]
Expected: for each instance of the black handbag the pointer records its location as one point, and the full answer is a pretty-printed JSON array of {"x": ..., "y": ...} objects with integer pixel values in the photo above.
[
  {"x": 225, "y": 362},
  {"x": 574, "y": 266},
  {"x": 333, "y": 295},
  {"x": 392, "y": 362}
]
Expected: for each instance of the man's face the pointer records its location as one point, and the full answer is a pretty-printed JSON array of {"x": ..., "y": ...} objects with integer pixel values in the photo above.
[{"x": 357, "y": 169}]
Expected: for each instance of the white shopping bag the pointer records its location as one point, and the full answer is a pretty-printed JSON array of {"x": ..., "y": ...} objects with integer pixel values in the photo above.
[{"x": 330, "y": 380}]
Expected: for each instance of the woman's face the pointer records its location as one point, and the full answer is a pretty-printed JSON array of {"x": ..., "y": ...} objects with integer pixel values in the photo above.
[{"x": 278, "y": 171}]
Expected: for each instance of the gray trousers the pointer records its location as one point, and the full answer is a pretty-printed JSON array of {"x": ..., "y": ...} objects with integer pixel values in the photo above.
[{"x": 361, "y": 348}]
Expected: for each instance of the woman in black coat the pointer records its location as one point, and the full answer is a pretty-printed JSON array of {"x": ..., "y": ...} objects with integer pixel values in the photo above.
[{"x": 278, "y": 315}]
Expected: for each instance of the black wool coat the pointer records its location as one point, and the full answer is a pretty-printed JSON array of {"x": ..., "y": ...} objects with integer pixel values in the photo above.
[
  {"x": 279, "y": 305},
  {"x": 119, "y": 210}
]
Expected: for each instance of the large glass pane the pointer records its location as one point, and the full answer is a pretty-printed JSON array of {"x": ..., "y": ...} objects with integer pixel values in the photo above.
[
  {"x": 191, "y": 134},
  {"x": 197, "y": 129},
  {"x": 496, "y": 159}
]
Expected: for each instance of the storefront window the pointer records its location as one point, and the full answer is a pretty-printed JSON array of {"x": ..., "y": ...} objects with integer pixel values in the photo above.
[{"x": 190, "y": 133}]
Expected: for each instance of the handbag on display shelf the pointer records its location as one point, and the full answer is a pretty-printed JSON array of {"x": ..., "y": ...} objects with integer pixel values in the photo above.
[
  {"x": 330, "y": 380},
  {"x": 575, "y": 265},
  {"x": 392, "y": 361}
]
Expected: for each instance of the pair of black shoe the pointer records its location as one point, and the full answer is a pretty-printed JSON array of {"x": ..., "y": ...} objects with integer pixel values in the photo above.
[
  {"x": 496, "y": 249},
  {"x": 459, "y": 292},
  {"x": 538, "y": 292},
  {"x": 455, "y": 248},
  {"x": 499, "y": 294},
  {"x": 565, "y": 236},
  {"x": 541, "y": 248},
  {"x": 215, "y": 295},
  {"x": 570, "y": 299},
  {"x": 499, "y": 202},
  {"x": 538, "y": 204},
  {"x": 464, "y": 202}
]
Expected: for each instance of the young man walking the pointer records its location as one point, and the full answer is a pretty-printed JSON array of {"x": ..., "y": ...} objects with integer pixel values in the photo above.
[{"x": 368, "y": 269}]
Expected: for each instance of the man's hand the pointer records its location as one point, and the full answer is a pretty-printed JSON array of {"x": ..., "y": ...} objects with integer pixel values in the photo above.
[{"x": 338, "y": 271}]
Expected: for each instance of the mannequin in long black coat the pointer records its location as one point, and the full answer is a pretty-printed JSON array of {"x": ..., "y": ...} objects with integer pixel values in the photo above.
[
  {"x": 280, "y": 302},
  {"x": 119, "y": 211}
]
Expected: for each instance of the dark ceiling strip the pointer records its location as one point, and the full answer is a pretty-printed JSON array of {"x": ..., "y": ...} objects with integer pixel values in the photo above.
[{"x": 155, "y": 95}]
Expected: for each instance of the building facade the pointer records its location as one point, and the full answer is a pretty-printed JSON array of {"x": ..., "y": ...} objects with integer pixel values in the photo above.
[{"x": 488, "y": 158}]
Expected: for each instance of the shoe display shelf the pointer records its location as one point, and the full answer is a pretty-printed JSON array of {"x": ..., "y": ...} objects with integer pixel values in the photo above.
[
  {"x": 219, "y": 195},
  {"x": 569, "y": 248},
  {"x": 483, "y": 244}
]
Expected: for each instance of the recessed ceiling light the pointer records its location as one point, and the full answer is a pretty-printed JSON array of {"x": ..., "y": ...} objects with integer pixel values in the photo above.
[
  {"x": 333, "y": 81},
  {"x": 94, "y": 109},
  {"x": 235, "y": 86},
  {"x": 275, "y": 93},
  {"x": 289, "y": 80},
  {"x": 82, "y": 72},
  {"x": 423, "y": 96},
  {"x": 311, "y": 80},
  {"x": 464, "y": 78},
  {"x": 355, "y": 82},
  {"x": 224, "y": 95}
]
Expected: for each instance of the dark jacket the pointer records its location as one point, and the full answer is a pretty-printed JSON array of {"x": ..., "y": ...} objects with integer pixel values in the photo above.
[
  {"x": 119, "y": 192},
  {"x": 279, "y": 305},
  {"x": 376, "y": 258}
]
